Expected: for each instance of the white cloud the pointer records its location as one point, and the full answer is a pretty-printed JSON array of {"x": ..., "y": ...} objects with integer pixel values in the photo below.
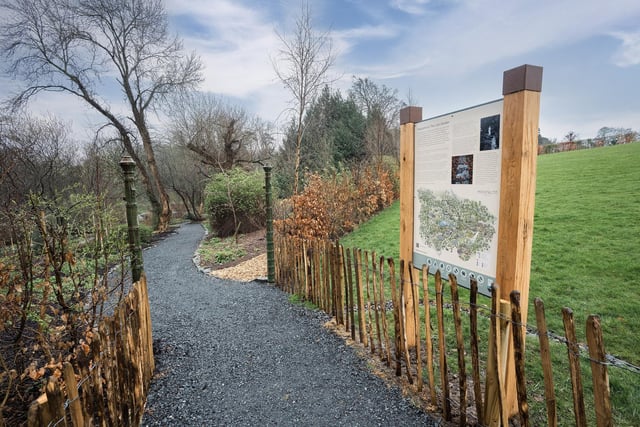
[
  {"x": 235, "y": 46},
  {"x": 237, "y": 41},
  {"x": 473, "y": 34},
  {"x": 367, "y": 32},
  {"x": 629, "y": 53},
  {"x": 412, "y": 7},
  {"x": 345, "y": 40}
]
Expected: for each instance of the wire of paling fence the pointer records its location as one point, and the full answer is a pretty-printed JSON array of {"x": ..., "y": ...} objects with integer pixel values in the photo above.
[
  {"x": 485, "y": 311},
  {"x": 92, "y": 367}
]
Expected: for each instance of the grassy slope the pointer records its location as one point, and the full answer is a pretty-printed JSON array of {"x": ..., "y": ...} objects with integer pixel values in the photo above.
[
  {"x": 586, "y": 244},
  {"x": 586, "y": 250},
  {"x": 381, "y": 233}
]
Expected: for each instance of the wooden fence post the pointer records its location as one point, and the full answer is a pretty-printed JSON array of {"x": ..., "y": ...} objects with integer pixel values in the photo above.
[
  {"x": 75, "y": 408},
  {"x": 444, "y": 372},
  {"x": 409, "y": 116},
  {"x": 494, "y": 408},
  {"x": 475, "y": 360},
  {"x": 55, "y": 400},
  {"x": 403, "y": 323},
  {"x": 545, "y": 358},
  {"x": 397, "y": 316},
  {"x": 369, "y": 320},
  {"x": 384, "y": 311},
  {"x": 462, "y": 370},
  {"x": 362, "y": 328},
  {"x": 377, "y": 303},
  {"x": 573, "y": 352},
  {"x": 350, "y": 304},
  {"x": 427, "y": 333},
  {"x": 518, "y": 344},
  {"x": 415, "y": 295},
  {"x": 599, "y": 373}
]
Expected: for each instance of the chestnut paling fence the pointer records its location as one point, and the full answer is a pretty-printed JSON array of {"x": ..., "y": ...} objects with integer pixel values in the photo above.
[
  {"x": 365, "y": 295},
  {"x": 107, "y": 384}
]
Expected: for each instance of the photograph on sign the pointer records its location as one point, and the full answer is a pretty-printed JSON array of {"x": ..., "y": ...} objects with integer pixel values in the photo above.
[
  {"x": 490, "y": 133},
  {"x": 457, "y": 194},
  {"x": 462, "y": 169}
]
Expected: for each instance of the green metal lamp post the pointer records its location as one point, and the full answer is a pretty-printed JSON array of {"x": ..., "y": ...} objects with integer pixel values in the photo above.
[
  {"x": 129, "y": 167},
  {"x": 271, "y": 270}
]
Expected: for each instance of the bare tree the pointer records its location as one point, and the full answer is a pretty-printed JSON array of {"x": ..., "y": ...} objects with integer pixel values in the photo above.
[
  {"x": 571, "y": 137},
  {"x": 76, "y": 46},
  {"x": 381, "y": 106},
  {"x": 303, "y": 62},
  {"x": 220, "y": 134},
  {"x": 37, "y": 157}
]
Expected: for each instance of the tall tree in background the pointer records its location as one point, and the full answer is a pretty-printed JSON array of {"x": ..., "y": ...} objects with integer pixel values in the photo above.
[
  {"x": 333, "y": 138},
  {"x": 334, "y": 132},
  {"x": 381, "y": 106},
  {"x": 187, "y": 177},
  {"x": 74, "y": 46},
  {"x": 302, "y": 66},
  {"x": 612, "y": 136}
]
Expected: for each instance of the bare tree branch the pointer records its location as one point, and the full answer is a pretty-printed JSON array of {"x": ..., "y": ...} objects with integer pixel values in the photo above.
[
  {"x": 80, "y": 46},
  {"x": 302, "y": 66}
]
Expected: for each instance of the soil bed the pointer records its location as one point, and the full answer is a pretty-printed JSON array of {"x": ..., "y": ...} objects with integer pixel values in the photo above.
[{"x": 249, "y": 267}]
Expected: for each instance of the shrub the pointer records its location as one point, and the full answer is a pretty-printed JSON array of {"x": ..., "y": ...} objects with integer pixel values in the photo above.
[
  {"x": 334, "y": 205},
  {"x": 145, "y": 231},
  {"x": 220, "y": 251},
  {"x": 235, "y": 202},
  {"x": 391, "y": 166}
]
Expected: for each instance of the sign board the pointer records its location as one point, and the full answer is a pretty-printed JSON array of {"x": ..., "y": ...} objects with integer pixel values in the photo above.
[{"x": 457, "y": 194}]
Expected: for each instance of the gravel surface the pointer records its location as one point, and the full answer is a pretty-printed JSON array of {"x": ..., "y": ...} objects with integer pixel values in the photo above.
[{"x": 230, "y": 353}]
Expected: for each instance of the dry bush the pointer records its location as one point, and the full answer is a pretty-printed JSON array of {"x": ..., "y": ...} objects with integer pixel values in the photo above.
[
  {"x": 334, "y": 205},
  {"x": 54, "y": 288}
]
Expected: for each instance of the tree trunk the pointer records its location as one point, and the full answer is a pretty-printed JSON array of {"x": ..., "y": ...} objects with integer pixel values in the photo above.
[
  {"x": 229, "y": 150},
  {"x": 194, "y": 200},
  {"x": 185, "y": 203},
  {"x": 296, "y": 171},
  {"x": 164, "y": 214}
]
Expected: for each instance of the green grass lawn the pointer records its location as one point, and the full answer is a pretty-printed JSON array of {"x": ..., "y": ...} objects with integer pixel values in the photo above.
[
  {"x": 586, "y": 241},
  {"x": 586, "y": 256}
]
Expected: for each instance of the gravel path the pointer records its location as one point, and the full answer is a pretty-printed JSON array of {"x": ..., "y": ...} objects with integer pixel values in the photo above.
[{"x": 240, "y": 354}]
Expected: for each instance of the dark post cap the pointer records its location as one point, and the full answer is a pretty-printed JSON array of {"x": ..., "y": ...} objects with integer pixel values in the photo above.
[
  {"x": 267, "y": 167},
  {"x": 410, "y": 115},
  {"x": 524, "y": 77},
  {"x": 126, "y": 162}
]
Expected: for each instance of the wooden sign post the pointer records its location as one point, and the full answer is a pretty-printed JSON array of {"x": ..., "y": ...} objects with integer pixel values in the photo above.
[
  {"x": 521, "y": 89},
  {"x": 409, "y": 116}
]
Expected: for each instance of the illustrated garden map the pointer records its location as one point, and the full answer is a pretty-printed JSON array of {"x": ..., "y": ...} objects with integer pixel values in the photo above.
[{"x": 457, "y": 194}]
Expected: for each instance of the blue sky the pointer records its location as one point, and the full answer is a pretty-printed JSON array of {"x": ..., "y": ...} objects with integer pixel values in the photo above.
[{"x": 449, "y": 54}]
